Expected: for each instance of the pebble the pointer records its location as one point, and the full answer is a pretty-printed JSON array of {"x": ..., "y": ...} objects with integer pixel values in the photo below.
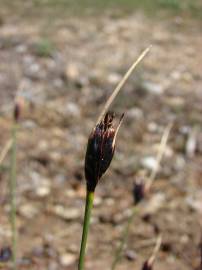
[
  {"x": 191, "y": 143},
  {"x": 66, "y": 213},
  {"x": 43, "y": 191},
  {"x": 135, "y": 113},
  {"x": 153, "y": 127},
  {"x": 130, "y": 255},
  {"x": 28, "y": 210},
  {"x": 114, "y": 78},
  {"x": 149, "y": 163},
  {"x": 72, "y": 72},
  {"x": 176, "y": 103},
  {"x": 72, "y": 109},
  {"x": 29, "y": 124},
  {"x": 67, "y": 259},
  {"x": 97, "y": 201},
  {"x": 153, "y": 88}
]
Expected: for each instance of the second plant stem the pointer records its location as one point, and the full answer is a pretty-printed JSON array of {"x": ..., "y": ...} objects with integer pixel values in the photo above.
[
  {"x": 124, "y": 238},
  {"x": 13, "y": 194},
  {"x": 86, "y": 224}
]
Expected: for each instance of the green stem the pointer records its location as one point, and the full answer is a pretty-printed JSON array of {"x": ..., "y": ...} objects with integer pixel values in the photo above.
[
  {"x": 88, "y": 208},
  {"x": 124, "y": 238},
  {"x": 13, "y": 194}
]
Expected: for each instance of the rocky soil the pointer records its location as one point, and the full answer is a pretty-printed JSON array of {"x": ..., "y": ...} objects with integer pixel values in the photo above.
[{"x": 65, "y": 68}]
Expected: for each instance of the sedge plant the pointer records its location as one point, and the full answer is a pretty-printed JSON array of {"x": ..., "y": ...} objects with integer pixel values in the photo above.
[
  {"x": 99, "y": 154},
  {"x": 139, "y": 192},
  {"x": 16, "y": 117}
]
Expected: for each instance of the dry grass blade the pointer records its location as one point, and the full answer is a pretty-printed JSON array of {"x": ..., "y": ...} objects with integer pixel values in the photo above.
[
  {"x": 156, "y": 249},
  {"x": 122, "y": 82},
  {"x": 5, "y": 151},
  {"x": 149, "y": 263},
  {"x": 159, "y": 157}
]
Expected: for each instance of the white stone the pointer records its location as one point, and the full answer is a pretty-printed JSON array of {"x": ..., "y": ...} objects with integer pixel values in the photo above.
[
  {"x": 67, "y": 259},
  {"x": 149, "y": 162}
]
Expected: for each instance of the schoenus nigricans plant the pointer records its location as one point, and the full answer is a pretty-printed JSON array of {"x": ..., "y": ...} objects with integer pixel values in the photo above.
[
  {"x": 99, "y": 154},
  {"x": 140, "y": 190},
  {"x": 17, "y": 111}
]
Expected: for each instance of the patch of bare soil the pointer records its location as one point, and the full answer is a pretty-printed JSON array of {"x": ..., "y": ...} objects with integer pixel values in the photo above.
[{"x": 66, "y": 70}]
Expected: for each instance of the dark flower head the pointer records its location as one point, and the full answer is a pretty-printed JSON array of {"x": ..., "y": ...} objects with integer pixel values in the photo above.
[
  {"x": 100, "y": 150},
  {"x": 5, "y": 254},
  {"x": 147, "y": 266},
  {"x": 18, "y": 107},
  {"x": 138, "y": 190}
]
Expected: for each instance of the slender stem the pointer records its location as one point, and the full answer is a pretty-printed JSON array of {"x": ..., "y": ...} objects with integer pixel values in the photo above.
[
  {"x": 88, "y": 208},
  {"x": 200, "y": 246},
  {"x": 124, "y": 238},
  {"x": 13, "y": 194}
]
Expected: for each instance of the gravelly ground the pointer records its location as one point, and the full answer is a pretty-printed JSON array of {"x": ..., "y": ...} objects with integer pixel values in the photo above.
[{"x": 66, "y": 69}]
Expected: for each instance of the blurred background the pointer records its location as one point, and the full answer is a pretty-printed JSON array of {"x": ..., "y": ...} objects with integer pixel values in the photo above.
[{"x": 64, "y": 58}]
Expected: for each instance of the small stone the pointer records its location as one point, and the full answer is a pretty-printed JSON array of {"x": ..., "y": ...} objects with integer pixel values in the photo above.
[
  {"x": 175, "y": 75},
  {"x": 114, "y": 78},
  {"x": 153, "y": 127},
  {"x": 135, "y": 113},
  {"x": 149, "y": 163},
  {"x": 28, "y": 124},
  {"x": 176, "y": 103},
  {"x": 43, "y": 191},
  {"x": 97, "y": 201},
  {"x": 72, "y": 109},
  {"x": 131, "y": 255},
  {"x": 153, "y": 88},
  {"x": 70, "y": 193},
  {"x": 72, "y": 72},
  {"x": 66, "y": 213},
  {"x": 67, "y": 259},
  {"x": 55, "y": 156},
  {"x": 28, "y": 210},
  {"x": 43, "y": 145},
  {"x": 191, "y": 143}
]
